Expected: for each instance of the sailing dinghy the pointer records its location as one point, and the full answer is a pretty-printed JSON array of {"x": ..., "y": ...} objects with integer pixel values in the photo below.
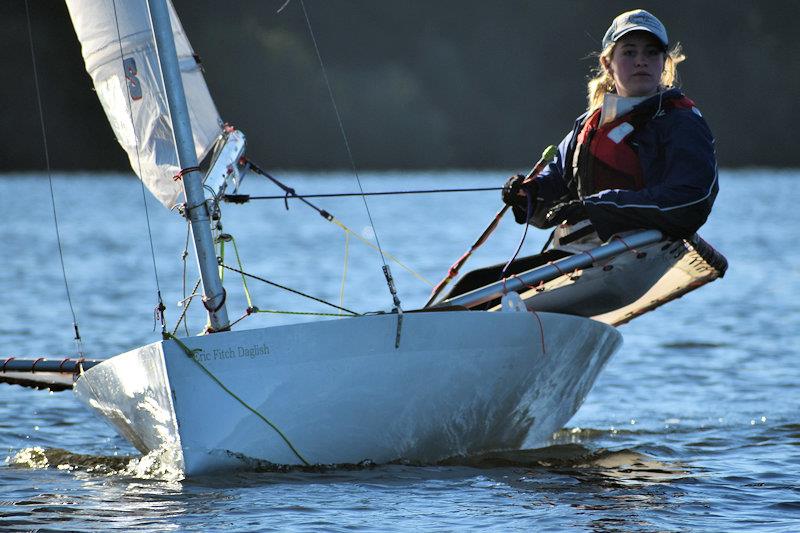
[{"x": 467, "y": 374}]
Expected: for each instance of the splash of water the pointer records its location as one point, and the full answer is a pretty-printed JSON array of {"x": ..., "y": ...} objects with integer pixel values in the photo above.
[
  {"x": 35, "y": 457},
  {"x": 159, "y": 464},
  {"x": 162, "y": 464}
]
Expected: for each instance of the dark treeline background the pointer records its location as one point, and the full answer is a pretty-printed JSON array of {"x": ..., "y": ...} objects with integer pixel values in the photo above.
[{"x": 419, "y": 83}]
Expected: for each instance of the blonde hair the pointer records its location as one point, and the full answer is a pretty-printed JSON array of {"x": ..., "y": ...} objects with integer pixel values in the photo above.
[{"x": 603, "y": 82}]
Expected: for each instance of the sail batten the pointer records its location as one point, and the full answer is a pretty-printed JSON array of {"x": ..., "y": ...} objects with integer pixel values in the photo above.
[{"x": 120, "y": 56}]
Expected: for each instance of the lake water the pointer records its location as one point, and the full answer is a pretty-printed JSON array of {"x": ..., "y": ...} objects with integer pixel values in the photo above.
[{"x": 693, "y": 425}]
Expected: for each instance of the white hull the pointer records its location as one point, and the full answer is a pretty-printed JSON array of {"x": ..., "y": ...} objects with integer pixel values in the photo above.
[{"x": 460, "y": 382}]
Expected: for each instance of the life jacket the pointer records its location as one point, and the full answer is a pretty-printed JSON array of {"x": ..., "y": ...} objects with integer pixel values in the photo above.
[{"x": 606, "y": 157}]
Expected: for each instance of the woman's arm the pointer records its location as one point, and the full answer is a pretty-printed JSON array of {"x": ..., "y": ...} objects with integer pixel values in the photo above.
[{"x": 680, "y": 202}]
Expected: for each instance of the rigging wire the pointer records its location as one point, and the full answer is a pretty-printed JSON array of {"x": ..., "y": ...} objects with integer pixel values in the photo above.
[
  {"x": 294, "y": 291},
  {"x": 184, "y": 255},
  {"x": 290, "y": 193},
  {"x": 187, "y": 300},
  {"x": 78, "y": 342},
  {"x": 386, "y": 271},
  {"x": 251, "y": 308},
  {"x": 241, "y": 198},
  {"x": 160, "y": 307}
]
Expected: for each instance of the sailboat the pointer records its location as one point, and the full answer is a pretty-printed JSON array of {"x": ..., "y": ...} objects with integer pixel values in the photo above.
[{"x": 472, "y": 372}]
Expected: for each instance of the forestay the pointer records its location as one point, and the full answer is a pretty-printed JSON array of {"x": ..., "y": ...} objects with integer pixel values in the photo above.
[{"x": 120, "y": 56}]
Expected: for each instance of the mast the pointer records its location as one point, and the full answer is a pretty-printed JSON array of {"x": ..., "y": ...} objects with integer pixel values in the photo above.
[{"x": 197, "y": 210}]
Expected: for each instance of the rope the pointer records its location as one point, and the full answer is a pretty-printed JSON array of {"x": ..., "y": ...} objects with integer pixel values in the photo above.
[
  {"x": 309, "y": 313},
  {"x": 241, "y": 198},
  {"x": 207, "y": 303},
  {"x": 160, "y": 307},
  {"x": 627, "y": 246},
  {"x": 386, "y": 272},
  {"x": 524, "y": 234},
  {"x": 541, "y": 331},
  {"x": 191, "y": 354},
  {"x": 352, "y": 313},
  {"x": 186, "y": 302},
  {"x": 78, "y": 343},
  {"x": 184, "y": 255},
  {"x": 182, "y": 172},
  {"x": 221, "y": 260},
  {"x": 244, "y": 279},
  {"x": 245, "y": 315},
  {"x": 344, "y": 270},
  {"x": 253, "y": 310},
  {"x": 387, "y": 254},
  {"x": 554, "y": 264},
  {"x": 290, "y": 193}
]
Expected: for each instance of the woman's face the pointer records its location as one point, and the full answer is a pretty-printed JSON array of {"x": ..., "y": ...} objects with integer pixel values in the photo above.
[{"x": 636, "y": 64}]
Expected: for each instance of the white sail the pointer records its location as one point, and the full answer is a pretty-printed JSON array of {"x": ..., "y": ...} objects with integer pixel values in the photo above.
[{"x": 120, "y": 55}]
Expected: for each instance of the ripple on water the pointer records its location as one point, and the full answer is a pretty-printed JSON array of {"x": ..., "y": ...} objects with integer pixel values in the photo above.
[{"x": 687, "y": 345}]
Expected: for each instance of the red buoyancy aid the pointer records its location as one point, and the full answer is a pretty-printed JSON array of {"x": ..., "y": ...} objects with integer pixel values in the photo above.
[{"x": 605, "y": 158}]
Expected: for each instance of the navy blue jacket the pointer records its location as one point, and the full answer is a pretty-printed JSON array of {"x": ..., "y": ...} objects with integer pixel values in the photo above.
[{"x": 676, "y": 153}]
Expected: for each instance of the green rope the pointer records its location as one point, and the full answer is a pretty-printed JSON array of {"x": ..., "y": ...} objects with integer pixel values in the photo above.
[
  {"x": 244, "y": 279},
  {"x": 191, "y": 354},
  {"x": 221, "y": 260},
  {"x": 253, "y": 310},
  {"x": 277, "y": 312}
]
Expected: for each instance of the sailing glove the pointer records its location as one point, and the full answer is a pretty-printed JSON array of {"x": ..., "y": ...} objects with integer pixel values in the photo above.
[
  {"x": 519, "y": 202},
  {"x": 570, "y": 212}
]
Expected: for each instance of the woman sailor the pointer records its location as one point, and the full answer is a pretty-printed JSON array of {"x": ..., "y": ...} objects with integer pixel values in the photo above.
[{"x": 641, "y": 157}]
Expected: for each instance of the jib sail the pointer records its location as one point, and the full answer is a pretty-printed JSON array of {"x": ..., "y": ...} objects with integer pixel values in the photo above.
[{"x": 120, "y": 55}]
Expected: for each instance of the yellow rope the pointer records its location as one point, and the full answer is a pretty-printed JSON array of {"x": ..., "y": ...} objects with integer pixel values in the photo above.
[
  {"x": 244, "y": 281},
  {"x": 390, "y": 256},
  {"x": 253, "y": 309},
  {"x": 222, "y": 261},
  {"x": 344, "y": 271},
  {"x": 310, "y": 313}
]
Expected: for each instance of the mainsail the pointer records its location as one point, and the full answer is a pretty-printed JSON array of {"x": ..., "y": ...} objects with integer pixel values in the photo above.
[{"x": 117, "y": 44}]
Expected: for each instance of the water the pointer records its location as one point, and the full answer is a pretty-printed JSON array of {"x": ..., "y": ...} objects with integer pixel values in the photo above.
[{"x": 693, "y": 425}]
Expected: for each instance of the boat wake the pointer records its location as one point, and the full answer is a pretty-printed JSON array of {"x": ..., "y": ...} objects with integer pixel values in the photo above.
[
  {"x": 601, "y": 465},
  {"x": 623, "y": 466}
]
